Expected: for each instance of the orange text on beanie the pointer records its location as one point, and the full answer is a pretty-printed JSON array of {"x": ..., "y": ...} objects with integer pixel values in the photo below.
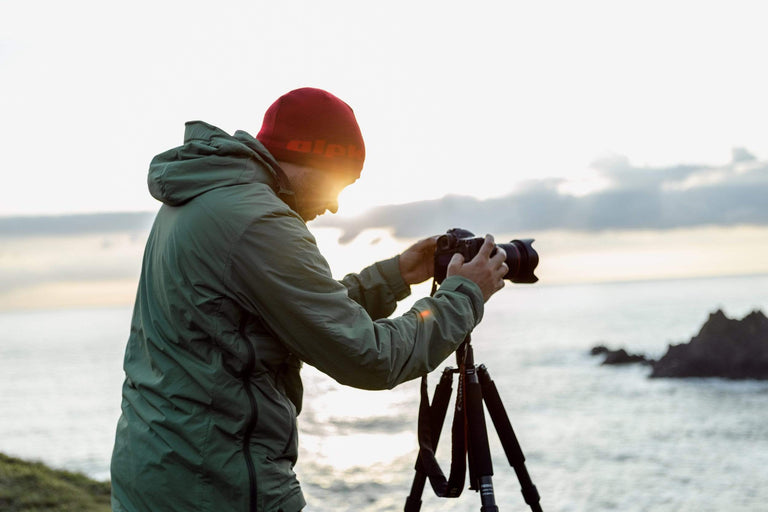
[{"x": 314, "y": 128}]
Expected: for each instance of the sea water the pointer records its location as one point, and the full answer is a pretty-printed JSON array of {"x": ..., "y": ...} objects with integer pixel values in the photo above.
[{"x": 595, "y": 438}]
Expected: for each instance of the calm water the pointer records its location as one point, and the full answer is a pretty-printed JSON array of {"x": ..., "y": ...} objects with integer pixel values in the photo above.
[{"x": 596, "y": 438}]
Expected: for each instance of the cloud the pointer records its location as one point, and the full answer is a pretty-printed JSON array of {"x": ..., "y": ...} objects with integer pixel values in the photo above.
[
  {"x": 630, "y": 198},
  {"x": 79, "y": 224},
  {"x": 70, "y": 258},
  {"x": 61, "y": 250},
  {"x": 88, "y": 257},
  {"x": 742, "y": 155}
]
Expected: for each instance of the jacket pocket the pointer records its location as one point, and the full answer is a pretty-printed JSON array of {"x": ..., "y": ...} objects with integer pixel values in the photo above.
[{"x": 275, "y": 433}]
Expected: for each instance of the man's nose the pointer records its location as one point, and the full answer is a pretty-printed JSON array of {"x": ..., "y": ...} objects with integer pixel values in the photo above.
[{"x": 333, "y": 206}]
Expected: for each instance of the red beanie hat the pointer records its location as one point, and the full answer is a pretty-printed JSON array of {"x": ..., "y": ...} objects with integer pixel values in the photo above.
[{"x": 314, "y": 128}]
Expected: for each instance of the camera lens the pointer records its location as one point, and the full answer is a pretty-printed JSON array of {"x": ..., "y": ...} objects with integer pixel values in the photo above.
[
  {"x": 521, "y": 260},
  {"x": 521, "y": 257}
]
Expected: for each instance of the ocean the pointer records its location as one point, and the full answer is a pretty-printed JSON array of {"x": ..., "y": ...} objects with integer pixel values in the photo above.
[{"x": 595, "y": 438}]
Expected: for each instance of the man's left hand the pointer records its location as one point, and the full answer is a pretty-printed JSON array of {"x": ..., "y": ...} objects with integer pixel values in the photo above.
[{"x": 417, "y": 263}]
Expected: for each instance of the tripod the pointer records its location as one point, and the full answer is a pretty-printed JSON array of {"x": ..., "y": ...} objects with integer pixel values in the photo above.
[{"x": 469, "y": 437}]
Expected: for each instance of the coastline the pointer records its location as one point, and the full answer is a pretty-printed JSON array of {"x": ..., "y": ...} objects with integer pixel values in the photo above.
[{"x": 27, "y": 486}]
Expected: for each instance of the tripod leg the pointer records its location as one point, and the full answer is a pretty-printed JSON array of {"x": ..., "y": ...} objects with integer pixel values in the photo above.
[
  {"x": 480, "y": 465},
  {"x": 435, "y": 419},
  {"x": 508, "y": 439}
]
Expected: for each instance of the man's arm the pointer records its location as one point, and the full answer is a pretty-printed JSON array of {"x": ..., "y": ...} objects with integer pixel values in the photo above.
[
  {"x": 278, "y": 274},
  {"x": 378, "y": 288}
]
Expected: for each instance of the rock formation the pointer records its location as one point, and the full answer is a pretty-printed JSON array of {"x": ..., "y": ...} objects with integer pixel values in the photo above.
[
  {"x": 619, "y": 356},
  {"x": 724, "y": 347}
]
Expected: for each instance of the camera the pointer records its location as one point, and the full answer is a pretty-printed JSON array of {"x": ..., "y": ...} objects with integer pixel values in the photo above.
[{"x": 521, "y": 257}]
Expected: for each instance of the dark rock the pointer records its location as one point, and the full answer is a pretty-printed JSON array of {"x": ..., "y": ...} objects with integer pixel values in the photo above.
[
  {"x": 622, "y": 357},
  {"x": 619, "y": 356},
  {"x": 724, "y": 347}
]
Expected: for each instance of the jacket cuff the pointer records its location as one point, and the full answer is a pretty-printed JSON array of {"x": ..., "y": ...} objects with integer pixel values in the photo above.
[
  {"x": 468, "y": 288},
  {"x": 390, "y": 270}
]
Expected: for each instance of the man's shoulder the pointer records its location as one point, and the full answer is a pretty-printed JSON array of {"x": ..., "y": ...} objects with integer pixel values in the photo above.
[
  {"x": 227, "y": 213},
  {"x": 249, "y": 206},
  {"x": 244, "y": 201}
]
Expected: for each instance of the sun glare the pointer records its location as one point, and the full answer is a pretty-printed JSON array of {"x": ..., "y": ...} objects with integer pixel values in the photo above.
[
  {"x": 370, "y": 246},
  {"x": 353, "y": 202}
]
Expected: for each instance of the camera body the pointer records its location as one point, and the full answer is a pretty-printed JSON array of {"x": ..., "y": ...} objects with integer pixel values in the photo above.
[{"x": 521, "y": 260}]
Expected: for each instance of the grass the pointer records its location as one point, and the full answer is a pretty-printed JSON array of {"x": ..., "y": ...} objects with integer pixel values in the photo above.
[{"x": 34, "y": 487}]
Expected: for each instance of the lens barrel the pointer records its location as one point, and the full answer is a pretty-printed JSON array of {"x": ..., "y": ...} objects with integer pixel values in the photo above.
[{"x": 521, "y": 260}]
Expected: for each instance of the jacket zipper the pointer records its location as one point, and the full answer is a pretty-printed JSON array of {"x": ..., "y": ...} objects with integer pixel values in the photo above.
[{"x": 250, "y": 425}]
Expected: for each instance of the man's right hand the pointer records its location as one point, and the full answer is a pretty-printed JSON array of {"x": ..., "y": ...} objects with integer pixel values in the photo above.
[{"x": 486, "y": 271}]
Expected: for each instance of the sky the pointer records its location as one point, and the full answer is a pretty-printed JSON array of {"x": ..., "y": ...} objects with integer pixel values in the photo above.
[{"x": 607, "y": 130}]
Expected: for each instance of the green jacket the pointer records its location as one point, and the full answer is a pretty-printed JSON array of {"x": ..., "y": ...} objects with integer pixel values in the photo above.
[{"x": 233, "y": 297}]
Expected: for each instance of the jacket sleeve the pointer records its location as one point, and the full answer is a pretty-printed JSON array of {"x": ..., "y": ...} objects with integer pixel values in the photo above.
[
  {"x": 278, "y": 274},
  {"x": 378, "y": 287}
]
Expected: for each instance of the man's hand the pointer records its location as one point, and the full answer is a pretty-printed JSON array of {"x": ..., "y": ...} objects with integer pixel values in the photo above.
[
  {"x": 417, "y": 263},
  {"x": 486, "y": 271}
]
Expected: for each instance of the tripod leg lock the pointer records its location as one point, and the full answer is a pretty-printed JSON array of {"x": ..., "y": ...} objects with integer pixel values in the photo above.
[{"x": 531, "y": 495}]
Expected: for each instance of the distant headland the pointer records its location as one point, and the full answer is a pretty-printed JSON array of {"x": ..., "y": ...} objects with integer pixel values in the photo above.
[
  {"x": 724, "y": 347},
  {"x": 27, "y": 486}
]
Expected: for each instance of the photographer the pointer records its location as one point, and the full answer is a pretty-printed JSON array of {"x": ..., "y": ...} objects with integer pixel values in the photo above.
[{"x": 234, "y": 296}]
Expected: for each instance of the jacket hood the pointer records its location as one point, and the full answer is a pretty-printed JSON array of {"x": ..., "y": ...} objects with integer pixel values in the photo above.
[{"x": 211, "y": 158}]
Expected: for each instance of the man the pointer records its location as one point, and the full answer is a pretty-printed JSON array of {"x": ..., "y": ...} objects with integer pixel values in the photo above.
[{"x": 234, "y": 296}]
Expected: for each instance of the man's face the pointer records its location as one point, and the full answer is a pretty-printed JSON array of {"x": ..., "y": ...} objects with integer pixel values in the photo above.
[{"x": 317, "y": 191}]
